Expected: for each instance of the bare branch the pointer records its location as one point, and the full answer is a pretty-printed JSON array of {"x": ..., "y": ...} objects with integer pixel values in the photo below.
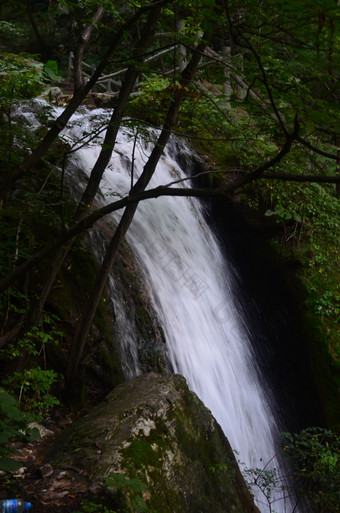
[
  {"x": 317, "y": 150},
  {"x": 203, "y": 173},
  {"x": 137, "y": 196},
  {"x": 79, "y": 341},
  {"x": 154, "y": 56},
  {"x": 266, "y": 84}
]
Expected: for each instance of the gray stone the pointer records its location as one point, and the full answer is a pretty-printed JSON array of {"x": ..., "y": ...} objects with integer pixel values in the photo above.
[
  {"x": 43, "y": 431},
  {"x": 154, "y": 429},
  {"x": 46, "y": 470},
  {"x": 51, "y": 92}
]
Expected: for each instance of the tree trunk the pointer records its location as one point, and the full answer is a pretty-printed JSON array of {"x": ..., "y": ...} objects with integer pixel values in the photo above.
[
  {"x": 182, "y": 53},
  {"x": 79, "y": 53},
  {"x": 227, "y": 83},
  {"x": 78, "y": 345},
  {"x": 338, "y": 166}
]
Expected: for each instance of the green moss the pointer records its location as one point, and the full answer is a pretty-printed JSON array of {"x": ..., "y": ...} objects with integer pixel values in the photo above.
[
  {"x": 74, "y": 284},
  {"x": 110, "y": 361},
  {"x": 141, "y": 453},
  {"x": 140, "y": 312},
  {"x": 142, "y": 315},
  {"x": 173, "y": 458}
]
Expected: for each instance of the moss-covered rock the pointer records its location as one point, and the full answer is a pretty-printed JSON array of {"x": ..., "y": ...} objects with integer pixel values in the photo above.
[{"x": 153, "y": 430}]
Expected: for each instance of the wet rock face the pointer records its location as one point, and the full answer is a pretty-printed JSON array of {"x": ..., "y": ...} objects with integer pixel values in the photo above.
[{"x": 155, "y": 432}]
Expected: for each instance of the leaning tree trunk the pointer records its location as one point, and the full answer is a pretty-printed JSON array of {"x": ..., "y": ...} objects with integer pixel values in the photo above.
[
  {"x": 78, "y": 344},
  {"x": 79, "y": 341},
  {"x": 338, "y": 166}
]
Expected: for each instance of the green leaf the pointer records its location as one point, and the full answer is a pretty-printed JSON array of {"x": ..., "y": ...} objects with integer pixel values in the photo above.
[
  {"x": 33, "y": 434},
  {"x": 4, "y": 438},
  {"x": 9, "y": 465},
  {"x": 139, "y": 504},
  {"x": 136, "y": 485}
]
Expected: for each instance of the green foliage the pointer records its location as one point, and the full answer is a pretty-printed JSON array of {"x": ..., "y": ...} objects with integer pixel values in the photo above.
[
  {"x": 13, "y": 425},
  {"x": 8, "y": 29},
  {"x": 315, "y": 455},
  {"x": 33, "y": 385},
  {"x": 131, "y": 488},
  {"x": 199, "y": 115},
  {"x": 219, "y": 467},
  {"x": 152, "y": 103},
  {"x": 309, "y": 216},
  {"x": 227, "y": 467},
  {"x": 50, "y": 71},
  {"x": 299, "y": 67},
  {"x": 283, "y": 214},
  {"x": 20, "y": 77},
  {"x": 88, "y": 506},
  {"x": 268, "y": 482},
  {"x": 34, "y": 341},
  {"x": 9, "y": 33}
]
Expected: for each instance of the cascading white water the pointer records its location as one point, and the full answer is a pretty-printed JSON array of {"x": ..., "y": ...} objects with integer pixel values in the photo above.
[{"x": 191, "y": 286}]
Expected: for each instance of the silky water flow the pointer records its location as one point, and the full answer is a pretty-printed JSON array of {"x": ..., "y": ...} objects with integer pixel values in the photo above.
[{"x": 191, "y": 286}]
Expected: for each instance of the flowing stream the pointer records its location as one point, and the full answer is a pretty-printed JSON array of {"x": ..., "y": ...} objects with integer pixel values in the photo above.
[{"x": 191, "y": 285}]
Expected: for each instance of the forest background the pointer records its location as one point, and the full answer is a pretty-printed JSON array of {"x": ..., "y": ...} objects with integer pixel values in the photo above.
[{"x": 253, "y": 85}]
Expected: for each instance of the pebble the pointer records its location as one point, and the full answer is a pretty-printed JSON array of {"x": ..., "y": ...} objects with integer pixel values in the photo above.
[{"x": 46, "y": 470}]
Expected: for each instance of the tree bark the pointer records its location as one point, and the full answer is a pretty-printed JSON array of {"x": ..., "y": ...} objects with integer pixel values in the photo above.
[
  {"x": 182, "y": 53},
  {"x": 338, "y": 166},
  {"x": 92, "y": 218},
  {"x": 79, "y": 53},
  {"x": 78, "y": 345},
  {"x": 226, "y": 72}
]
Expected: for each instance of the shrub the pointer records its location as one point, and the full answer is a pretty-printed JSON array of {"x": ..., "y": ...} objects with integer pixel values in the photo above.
[{"x": 13, "y": 425}]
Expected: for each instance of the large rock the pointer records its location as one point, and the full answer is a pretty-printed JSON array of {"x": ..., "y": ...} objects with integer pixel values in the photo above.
[{"x": 154, "y": 429}]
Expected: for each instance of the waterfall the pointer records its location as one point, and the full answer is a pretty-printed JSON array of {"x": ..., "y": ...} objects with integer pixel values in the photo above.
[{"x": 191, "y": 285}]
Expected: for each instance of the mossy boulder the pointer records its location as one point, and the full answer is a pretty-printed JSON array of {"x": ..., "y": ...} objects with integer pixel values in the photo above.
[{"x": 152, "y": 430}]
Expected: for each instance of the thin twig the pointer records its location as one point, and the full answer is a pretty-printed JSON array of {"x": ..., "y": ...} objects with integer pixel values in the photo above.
[
  {"x": 210, "y": 172},
  {"x": 133, "y": 156},
  {"x": 16, "y": 253}
]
